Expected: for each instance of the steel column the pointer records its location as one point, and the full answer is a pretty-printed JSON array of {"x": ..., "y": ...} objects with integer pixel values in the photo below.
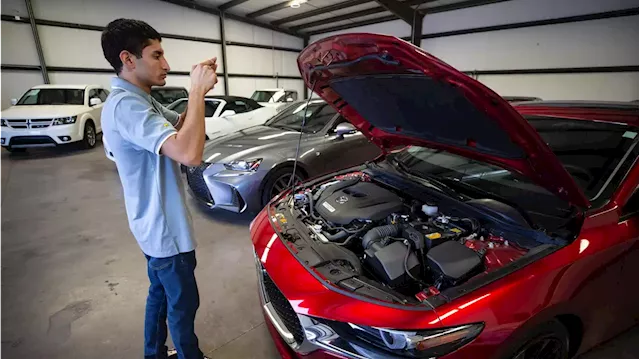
[
  {"x": 224, "y": 54},
  {"x": 36, "y": 39}
]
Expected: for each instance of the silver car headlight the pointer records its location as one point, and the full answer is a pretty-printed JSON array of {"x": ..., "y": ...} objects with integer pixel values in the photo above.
[
  {"x": 65, "y": 120},
  {"x": 243, "y": 165}
]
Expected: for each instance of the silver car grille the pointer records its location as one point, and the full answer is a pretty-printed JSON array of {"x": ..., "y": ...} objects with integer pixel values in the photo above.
[{"x": 30, "y": 123}]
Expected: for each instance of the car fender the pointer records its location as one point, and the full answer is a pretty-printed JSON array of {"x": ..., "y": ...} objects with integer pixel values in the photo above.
[{"x": 82, "y": 121}]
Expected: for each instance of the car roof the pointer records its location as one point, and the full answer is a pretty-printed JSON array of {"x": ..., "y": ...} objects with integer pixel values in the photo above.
[
  {"x": 605, "y": 111},
  {"x": 77, "y": 87},
  {"x": 603, "y": 105},
  {"x": 227, "y": 98}
]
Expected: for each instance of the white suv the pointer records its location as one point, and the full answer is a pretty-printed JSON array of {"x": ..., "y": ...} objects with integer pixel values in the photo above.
[
  {"x": 275, "y": 98},
  {"x": 53, "y": 115}
]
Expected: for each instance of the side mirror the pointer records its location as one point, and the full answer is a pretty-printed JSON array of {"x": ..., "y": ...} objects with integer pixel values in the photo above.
[
  {"x": 95, "y": 101},
  {"x": 14, "y": 101},
  {"x": 345, "y": 128},
  {"x": 227, "y": 113}
]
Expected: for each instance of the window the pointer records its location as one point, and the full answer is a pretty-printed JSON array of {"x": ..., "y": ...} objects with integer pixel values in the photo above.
[
  {"x": 103, "y": 94},
  {"x": 167, "y": 96},
  {"x": 262, "y": 96},
  {"x": 50, "y": 96},
  {"x": 210, "y": 108},
  {"x": 596, "y": 154},
  {"x": 180, "y": 107},
  {"x": 318, "y": 115},
  {"x": 293, "y": 95},
  {"x": 237, "y": 106},
  {"x": 93, "y": 93}
]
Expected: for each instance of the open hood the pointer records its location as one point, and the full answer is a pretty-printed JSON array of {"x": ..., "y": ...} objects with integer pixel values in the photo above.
[{"x": 398, "y": 95}]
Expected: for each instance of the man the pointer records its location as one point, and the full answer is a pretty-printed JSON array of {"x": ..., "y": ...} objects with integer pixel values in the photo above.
[{"x": 148, "y": 142}]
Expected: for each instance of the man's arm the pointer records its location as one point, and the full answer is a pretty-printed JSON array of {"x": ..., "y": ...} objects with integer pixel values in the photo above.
[{"x": 187, "y": 145}]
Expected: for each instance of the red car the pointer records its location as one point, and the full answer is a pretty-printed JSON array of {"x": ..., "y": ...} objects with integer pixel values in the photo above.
[{"x": 484, "y": 231}]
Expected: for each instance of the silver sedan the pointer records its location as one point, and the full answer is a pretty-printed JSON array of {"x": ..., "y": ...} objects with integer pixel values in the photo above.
[{"x": 242, "y": 171}]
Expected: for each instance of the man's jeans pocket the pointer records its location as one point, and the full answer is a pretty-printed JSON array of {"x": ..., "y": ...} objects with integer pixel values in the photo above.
[{"x": 160, "y": 263}]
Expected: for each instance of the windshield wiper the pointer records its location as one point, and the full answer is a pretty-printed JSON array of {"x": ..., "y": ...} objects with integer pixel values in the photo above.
[
  {"x": 285, "y": 127},
  {"x": 432, "y": 180}
]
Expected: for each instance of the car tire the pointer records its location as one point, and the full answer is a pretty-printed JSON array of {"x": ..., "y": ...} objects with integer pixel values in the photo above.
[
  {"x": 90, "y": 137},
  {"x": 547, "y": 341},
  {"x": 277, "y": 181}
]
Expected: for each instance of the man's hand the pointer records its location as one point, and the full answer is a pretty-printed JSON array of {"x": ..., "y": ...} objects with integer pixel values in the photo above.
[{"x": 203, "y": 76}]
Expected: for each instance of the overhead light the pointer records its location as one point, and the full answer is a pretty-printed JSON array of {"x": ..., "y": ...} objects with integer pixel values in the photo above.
[{"x": 296, "y": 3}]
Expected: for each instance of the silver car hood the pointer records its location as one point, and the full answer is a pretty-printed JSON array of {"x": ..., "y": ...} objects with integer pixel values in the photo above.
[{"x": 248, "y": 144}]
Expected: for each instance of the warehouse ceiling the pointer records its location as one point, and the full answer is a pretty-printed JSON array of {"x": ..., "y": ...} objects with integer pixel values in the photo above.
[{"x": 312, "y": 17}]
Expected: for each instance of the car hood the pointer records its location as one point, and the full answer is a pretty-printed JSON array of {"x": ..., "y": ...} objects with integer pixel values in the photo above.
[
  {"x": 398, "y": 95},
  {"x": 42, "y": 111},
  {"x": 248, "y": 144}
]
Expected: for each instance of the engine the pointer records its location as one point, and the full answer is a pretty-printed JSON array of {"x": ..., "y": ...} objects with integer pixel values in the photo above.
[{"x": 400, "y": 242}]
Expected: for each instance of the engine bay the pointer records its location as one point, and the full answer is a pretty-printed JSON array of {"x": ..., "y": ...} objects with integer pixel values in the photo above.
[{"x": 366, "y": 236}]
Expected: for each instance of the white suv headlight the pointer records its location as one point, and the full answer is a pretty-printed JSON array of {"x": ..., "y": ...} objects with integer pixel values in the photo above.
[
  {"x": 65, "y": 120},
  {"x": 243, "y": 165}
]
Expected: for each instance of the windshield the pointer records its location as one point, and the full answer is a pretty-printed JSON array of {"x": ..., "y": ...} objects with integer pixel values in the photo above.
[
  {"x": 318, "y": 116},
  {"x": 595, "y": 154},
  {"x": 262, "y": 96},
  {"x": 168, "y": 96},
  {"x": 52, "y": 97}
]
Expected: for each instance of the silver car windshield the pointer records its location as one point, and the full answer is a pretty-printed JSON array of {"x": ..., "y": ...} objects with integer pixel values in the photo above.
[{"x": 318, "y": 115}]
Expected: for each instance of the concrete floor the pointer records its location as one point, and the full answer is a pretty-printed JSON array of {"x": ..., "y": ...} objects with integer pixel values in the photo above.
[{"x": 74, "y": 281}]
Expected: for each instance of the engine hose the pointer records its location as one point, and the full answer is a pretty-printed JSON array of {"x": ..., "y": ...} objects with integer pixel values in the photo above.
[
  {"x": 406, "y": 268},
  {"x": 377, "y": 233},
  {"x": 311, "y": 208},
  {"x": 336, "y": 237}
]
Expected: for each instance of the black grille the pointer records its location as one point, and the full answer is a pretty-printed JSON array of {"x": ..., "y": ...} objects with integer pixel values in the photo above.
[
  {"x": 31, "y": 140},
  {"x": 196, "y": 182},
  {"x": 283, "y": 308}
]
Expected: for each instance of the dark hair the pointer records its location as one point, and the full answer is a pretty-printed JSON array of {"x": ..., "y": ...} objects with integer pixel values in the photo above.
[{"x": 126, "y": 34}]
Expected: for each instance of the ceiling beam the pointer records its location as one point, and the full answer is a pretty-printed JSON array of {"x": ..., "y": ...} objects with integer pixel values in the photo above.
[
  {"x": 410, "y": 15},
  {"x": 229, "y": 4},
  {"x": 348, "y": 16},
  {"x": 354, "y": 15},
  {"x": 269, "y": 9},
  {"x": 401, "y": 10},
  {"x": 319, "y": 11},
  {"x": 427, "y": 11},
  {"x": 353, "y": 24},
  {"x": 229, "y": 16}
]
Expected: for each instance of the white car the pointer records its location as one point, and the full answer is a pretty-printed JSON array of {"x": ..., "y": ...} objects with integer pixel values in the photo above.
[
  {"x": 274, "y": 97},
  {"x": 226, "y": 114},
  {"x": 223, "y": 115},
  {"x": 53, "y": 115}
]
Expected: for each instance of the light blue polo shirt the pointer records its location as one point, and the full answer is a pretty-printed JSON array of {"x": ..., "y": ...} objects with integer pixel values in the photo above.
[{"x": 135, "y": 126}]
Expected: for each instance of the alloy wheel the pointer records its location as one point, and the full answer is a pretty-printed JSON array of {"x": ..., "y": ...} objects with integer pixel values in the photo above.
[
  {"x": 91, "y": 136},
  {"x": 542, "y": 348},
  {"x": 281, "y": 183}
]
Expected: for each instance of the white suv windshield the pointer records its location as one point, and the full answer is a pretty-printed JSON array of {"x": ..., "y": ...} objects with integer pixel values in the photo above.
[
  {"x": 53, "y": 97},
  {"x": 262, "y": 96}
]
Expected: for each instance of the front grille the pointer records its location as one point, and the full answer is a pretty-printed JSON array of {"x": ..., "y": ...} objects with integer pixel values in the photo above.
[
  {"x": 196, "y": 182},
  {"x": 31, "y": 140},
  {"x": 31, "y": 123},
  {"x": 283, "y": 308}
]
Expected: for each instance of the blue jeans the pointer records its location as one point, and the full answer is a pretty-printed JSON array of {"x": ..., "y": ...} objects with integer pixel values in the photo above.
[{"x": 173, "y": 295}]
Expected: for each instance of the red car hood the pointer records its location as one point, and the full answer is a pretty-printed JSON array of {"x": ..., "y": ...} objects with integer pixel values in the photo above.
[{"x": 398, "y": 95}]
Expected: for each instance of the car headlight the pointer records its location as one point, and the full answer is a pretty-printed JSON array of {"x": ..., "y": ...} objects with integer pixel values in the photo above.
[
  {"x": 65, "y": 120},
  {"x": 411, "y": 344},
  {"x": 243, "y": 165}
]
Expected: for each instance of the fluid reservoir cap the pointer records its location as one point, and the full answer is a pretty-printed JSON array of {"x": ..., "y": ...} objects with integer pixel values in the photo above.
[{"x": 430, "y": 210}]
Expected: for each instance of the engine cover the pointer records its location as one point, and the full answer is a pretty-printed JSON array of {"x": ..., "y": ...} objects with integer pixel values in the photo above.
[{"x": 342, "y": 204}]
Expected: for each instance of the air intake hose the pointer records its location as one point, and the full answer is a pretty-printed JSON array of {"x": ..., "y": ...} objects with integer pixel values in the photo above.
[{"x": 375, "y": 235}]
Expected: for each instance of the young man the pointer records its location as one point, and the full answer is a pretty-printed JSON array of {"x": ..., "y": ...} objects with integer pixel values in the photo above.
[{"x": 148, "y": 142}]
